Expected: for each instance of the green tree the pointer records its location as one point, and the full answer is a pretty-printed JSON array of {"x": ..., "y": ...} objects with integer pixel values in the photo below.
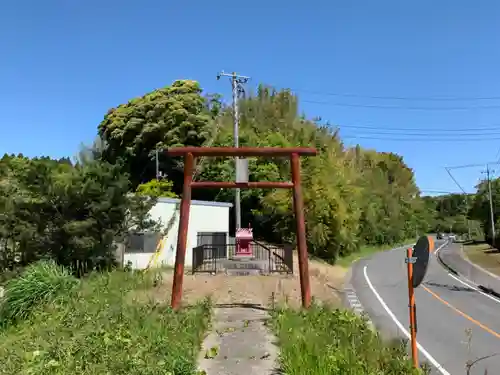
[
  {"x": 352, "y": 196},
  {"x": 177, "y": 115},
  {"x": 157, "y": 188},
  {"x": 480, "y": 209},
  {"x": 51, "y": 209}
]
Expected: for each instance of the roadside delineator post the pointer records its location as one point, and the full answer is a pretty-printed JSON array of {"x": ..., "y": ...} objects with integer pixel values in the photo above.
[{"x": 417, "y": 260}]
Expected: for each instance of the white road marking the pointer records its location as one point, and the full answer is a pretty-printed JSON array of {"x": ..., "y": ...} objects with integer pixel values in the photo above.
[
  {"x": 474, "y": 288},
  {"x": 426, "y": 354},
  {"x": 469, "y": 281},
  {"x": 464, "y": 257},
  {"x": 439, "y": 248}
]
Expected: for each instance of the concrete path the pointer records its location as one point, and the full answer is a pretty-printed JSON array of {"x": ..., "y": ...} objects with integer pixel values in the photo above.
[
  {"x": 239, "y": 343},
  {"x": 457, "y": 323}
]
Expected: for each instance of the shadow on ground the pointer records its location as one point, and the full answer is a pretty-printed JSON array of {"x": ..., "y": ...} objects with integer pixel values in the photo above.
[
  {"x": 242, "y": 305},
  {"x": 491, "y": 251},
  {"x": 453, "y": 288}
]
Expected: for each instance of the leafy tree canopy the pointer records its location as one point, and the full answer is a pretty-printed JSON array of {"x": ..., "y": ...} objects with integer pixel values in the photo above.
[
  {"x": 52, "y": 209},
  {"x": 352, "y": 196},
  {"x": 176, "y": 115}
]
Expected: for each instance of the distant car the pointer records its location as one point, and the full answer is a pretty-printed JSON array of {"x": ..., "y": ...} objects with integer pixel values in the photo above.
[
  {"x": 439, "y": 236},
  {"x": 452, "y": 237}
]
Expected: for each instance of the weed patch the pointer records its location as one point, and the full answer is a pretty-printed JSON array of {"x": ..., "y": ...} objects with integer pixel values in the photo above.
[
  {"x": 484, "y": 255},
  {"x": 326, "y": 341},
  {"x": 38, "y": 284},
  {"x": 99, "y": 329}
]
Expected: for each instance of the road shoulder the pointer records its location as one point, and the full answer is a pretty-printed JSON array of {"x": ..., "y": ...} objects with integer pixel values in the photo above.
[{"x": 453, "y": 258}]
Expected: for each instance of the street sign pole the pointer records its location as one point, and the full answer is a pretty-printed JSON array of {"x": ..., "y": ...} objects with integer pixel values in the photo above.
[
  {"x": 412, "y": 307},
  {"x": 417, "y": 260}
]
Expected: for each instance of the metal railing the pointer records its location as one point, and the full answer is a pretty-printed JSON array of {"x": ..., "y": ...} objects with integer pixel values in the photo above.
[{"x": 271, "y": 258}]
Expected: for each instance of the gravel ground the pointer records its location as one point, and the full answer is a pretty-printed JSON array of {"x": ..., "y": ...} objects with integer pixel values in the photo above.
[{"x": 326, "y": 286}]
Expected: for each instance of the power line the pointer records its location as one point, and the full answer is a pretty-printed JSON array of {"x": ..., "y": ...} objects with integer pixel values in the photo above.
[
  {"x": 374, "y": 106},
  {"x": 416, "y": 129},
  {"x": 430, "y": 139},
  {"x": 439, "y": 191},
  {"x": 406, "y": 98},
  {"x": 430, "y": 134},
  {"x": 433, "y": 134},
  {"x": 472, "y": 165},
  {"x": 466, "y": 198},
  {"x": 455, "y": 181}
]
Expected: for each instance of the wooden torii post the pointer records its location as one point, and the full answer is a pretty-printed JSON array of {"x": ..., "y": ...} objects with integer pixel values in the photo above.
[{"x": 191, "y": 153}]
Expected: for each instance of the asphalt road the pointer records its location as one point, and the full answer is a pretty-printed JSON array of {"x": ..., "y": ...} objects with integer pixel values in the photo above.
[{"x": 456, "y": 322}]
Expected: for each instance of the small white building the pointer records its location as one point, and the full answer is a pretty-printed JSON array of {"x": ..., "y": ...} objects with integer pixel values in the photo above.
[{"x": 208, "y": 223}]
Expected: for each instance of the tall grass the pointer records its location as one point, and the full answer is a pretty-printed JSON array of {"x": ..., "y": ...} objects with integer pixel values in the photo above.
[
  {"x": 106, "y": 327},
  {"x": 326, "y": 341},
  {"x": 39, "y": 283}
]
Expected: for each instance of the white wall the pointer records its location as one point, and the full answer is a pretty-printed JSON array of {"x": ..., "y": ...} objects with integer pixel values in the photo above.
[{"x": 203, "y": 217}]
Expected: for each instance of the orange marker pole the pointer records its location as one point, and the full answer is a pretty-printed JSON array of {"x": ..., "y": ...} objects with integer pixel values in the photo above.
[{"x": 412, "y": 308}]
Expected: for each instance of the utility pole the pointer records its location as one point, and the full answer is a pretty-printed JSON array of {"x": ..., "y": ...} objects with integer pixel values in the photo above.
[
  {"x": 467, "y": 215},
  {"x": 159, "y": 175},
  {"x": 157, "y": 165},
  {"x": 237, "y": 83},
  {"x": 492, "y": 216}
]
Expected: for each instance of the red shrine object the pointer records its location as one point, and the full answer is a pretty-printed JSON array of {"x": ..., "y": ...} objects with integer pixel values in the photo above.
[{"x": 244, "y": 237}]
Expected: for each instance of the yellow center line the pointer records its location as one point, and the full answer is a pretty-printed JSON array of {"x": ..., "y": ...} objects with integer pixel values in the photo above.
[{"x": 470, "y": 319}]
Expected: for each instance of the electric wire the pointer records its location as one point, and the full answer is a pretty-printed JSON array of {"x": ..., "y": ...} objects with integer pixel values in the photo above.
[
  {"x": 391, "y": 97},
  {"x": 414, "y": 108},
  {"x": 417, "y": 129},
  {"x": 420, "y": 139}
]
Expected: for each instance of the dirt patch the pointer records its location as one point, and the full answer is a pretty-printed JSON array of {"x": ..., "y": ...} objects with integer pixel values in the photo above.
[
  {"x": 326, "y": 286},
  {"x": 485, "y": 256}
]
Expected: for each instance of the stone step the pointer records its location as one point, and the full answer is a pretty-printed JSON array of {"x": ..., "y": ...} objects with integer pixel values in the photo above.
[
  {"x": 243, "y": 272},
  {"x": 259, "y": 265},
  {"x": 243, "y": 257}
]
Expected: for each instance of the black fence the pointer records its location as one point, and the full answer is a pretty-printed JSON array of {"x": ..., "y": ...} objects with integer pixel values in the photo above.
[
  {"x": 212, "y": 258},
  {"x": 205, "y": 258}
]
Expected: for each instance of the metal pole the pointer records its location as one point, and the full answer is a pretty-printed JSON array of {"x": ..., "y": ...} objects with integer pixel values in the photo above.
[
  {"x": 467, "y": 216},
  {"x": 237, "y": 193},
  {"x": 236, "y": 84},
  {"x": 492, "y": 216},
  {"x": 298, "y": 204},
  {"x": 180, "y": 255},
  {"x": 412, "y": 308}
]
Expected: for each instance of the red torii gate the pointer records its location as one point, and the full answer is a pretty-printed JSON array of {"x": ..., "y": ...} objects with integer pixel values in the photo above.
[{"x": 190, "y": 153}]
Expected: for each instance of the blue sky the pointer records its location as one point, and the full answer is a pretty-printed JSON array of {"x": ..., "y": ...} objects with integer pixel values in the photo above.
[{"x": 64, "y": 63}]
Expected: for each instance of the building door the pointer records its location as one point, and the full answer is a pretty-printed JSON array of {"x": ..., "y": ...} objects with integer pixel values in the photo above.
[{"x": 217, "y": 240}]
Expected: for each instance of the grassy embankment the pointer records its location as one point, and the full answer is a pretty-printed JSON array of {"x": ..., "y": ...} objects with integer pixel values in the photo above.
[
  {"x": 54, "y": 324},
  {"x": 108, "y": 324},
  {"x": 483, "y": 255}
]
